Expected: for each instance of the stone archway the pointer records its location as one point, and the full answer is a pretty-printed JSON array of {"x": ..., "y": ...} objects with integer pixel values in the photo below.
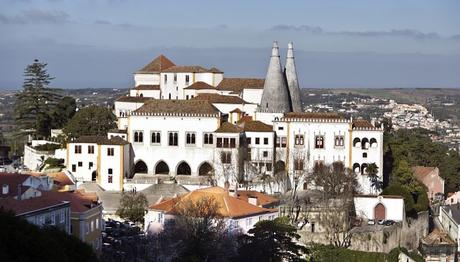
[
  {"x": 184, "y": 169},
  {"x": 205, "y": 169},
  {"x": 280, "y": 166},
  {"x": 379, "y": 212},
  {"x": 140, "y": 167},
  {"x": 161, "y": 168}
]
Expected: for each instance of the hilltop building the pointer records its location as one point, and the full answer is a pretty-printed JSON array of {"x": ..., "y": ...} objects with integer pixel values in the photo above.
[{"x": 196, "y": 127}]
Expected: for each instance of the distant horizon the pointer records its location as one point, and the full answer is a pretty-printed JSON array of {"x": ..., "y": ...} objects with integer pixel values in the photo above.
[{"x": 337, "y": 44}]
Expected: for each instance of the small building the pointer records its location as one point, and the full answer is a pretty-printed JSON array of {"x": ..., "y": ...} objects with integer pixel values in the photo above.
[
  {"x": 449, "y": 216},
  {"x": 239, "y": 215},
  {"x": 380, "y": 207},
  {"x": 429, "y": 176},
  {"x": 452, "y": 198},
  {"x": 107, "y": 161},
  {"x": 438, "y": 247}
]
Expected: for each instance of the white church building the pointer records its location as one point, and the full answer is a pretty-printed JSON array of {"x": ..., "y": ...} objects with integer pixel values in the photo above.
[{"x": 193, "y": 125}]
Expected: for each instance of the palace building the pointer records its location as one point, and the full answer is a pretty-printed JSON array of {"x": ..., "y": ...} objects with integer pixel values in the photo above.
[{"x": 195, "y": 126}]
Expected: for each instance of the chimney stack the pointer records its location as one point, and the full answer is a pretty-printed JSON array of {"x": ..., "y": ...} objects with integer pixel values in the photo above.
[{"x": 291, "y": 78}]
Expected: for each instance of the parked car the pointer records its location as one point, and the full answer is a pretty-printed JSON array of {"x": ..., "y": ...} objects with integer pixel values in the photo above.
[
  {"x": 381, "y": 221},
  {"x": 389, "y": 222},
  {"x": 371, "y": 222}
]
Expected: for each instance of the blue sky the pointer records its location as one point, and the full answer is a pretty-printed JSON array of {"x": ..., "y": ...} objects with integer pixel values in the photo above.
[{"x": 99, "y": 43}]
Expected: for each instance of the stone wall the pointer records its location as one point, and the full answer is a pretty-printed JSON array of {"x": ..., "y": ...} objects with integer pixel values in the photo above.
[{"x": 379, "y": 238}]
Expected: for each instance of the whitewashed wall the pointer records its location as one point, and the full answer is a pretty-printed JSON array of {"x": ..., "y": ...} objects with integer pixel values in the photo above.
[{"x": 394, "y": 207}]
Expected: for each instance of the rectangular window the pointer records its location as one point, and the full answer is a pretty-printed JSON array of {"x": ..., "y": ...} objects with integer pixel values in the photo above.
[
  {"x": 156, "y": 137},
  {"x": 175, "y": 78},
  {"x": 319, "y": 142},
  {"x": 80, "y": 164},
  {"x": 265, "y": 140},
  {"x": 74, "y": 168},
  {"x": 339, "y": 141},
  {"x": 190, "y": 138},
  {"x": 90, "y": 149},
  {"x": 249, "y": 153},
  {"x": 226, "y": 157},
  {"x": 166, "y": 79},
  {"x": 232, "y": 142},
  {"x": 265, "y": 153},
  {"x": 90, "y": 165},
  {"x": 248, "y": 140},
  {"x": 77, "y": 149},
  {"x": 364, "y": 155},
  {"x": 208, "y": 139},
  {"x": 299, "y": 140},
  {"x": 173, "y": 138},
  {"x": 281, "y": 128},
  {"x": 283, "y": 141},
  {"x": 226, "y": 142},
  {"x": 298, "y": 164},
  {"x": 269, "y": 167},
  {"x": 187, "y": 79},
  {"x": 257, "y": 140},
  {"x": 110, "y": 151},
  {"x": 62, "y": 216},
  {"x": 278, "y": 141},
  {"x": 219, "y": 142},
  {"x": 110, "y": 176},
  {"x": 313, "y": 227},
  {"x": 138, "y": 136},
  {"x": 53, "y": 218}
]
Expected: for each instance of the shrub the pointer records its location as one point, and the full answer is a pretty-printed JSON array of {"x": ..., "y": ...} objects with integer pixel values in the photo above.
[{"x": 47, "y": 147}]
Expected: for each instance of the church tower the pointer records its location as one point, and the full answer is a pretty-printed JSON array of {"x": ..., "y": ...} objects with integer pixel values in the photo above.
[
  {"x": 275, "y": 97},
  {"x": 291, "y": 78}
]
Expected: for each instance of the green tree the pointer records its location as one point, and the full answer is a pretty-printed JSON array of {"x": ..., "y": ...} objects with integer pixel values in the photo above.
[
  {"x": 271, "y": 240},
  {"x": 35, "y": 103},
  {"x": 91, "y": 120},
  {"x": 372, "y": 170},
  {"x": 21, "y": 241},
  {"x": 64, "y": 111},
  {"x": 399, "y": 190},
  {"x": 132, "y": 206}
]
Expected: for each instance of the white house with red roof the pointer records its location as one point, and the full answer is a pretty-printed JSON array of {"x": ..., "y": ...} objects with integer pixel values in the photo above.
[{"x": 240, "y": 214}]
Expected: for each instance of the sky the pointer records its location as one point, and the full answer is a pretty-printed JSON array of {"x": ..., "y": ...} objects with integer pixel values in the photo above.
[{"x": 338, "y": 44}]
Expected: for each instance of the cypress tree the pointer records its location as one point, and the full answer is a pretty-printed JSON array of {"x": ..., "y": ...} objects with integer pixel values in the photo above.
[{"x": 36, "y": 103}]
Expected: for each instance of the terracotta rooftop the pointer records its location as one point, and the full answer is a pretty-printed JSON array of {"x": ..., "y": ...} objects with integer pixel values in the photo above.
[
  {"x": 79, "y": 201},
  {"x": 61, "y": 179},
  {"x": 191, "y": 69},
  {"x": 437, "y": 238},
  {"x": 311, "y": 115},
  {"x": 193, "y": 106},
  {"x": 422, "y": 171},
  {"x": 238, "y": 84},
  {"x": 147, "y": 87},
  {"x": 255, "y": 126},
  {"x": 159, "y": 64},
  {"x": 21, "y": 207},
  {"x": 262, "y": 199},
  {"x": 13, "y": 181},
  {"x": 133, "y": 99},
  {"x": 226, "y": 127},
  {"x": 100, "y": 140},
  {"x": 362, "y": 123},
  {"x": 118, "y": 131},
  {"x": 200, "y": 85},
  {"x": 230, "y": 207},
  {"x": 220, "y": 99}
]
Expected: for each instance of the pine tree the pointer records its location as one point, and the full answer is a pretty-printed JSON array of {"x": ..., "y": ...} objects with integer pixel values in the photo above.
[{"x": 35, "y": 103}]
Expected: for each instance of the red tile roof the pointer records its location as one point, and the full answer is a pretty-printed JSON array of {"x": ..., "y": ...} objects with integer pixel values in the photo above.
[
  {"x": 238, "y": 84},
  {"x": 226, "y": 127},
  {"x": 229, "y": 206},
  {"x": 311, "y": 115},
  {"x": 220, "y": 99},
  {"x": 159, "y": 64},
  {"x": 362, "y": 123},
  {"x": 21, "y": 207},
  {"x": 438, "y": 238},
  {"x": 133, "y": 99},
  {"x": 13, "y": 181},
  {"x": 262, "y": 199},
  {"x": 191, "y": 69},
  {"x": 422, "y": 171},
  {"x": 255, "y": 126},
  {"x": 147, "y": 87},
  {"x": 200, "y": 85},
  {"x": 193, "y": 106}
]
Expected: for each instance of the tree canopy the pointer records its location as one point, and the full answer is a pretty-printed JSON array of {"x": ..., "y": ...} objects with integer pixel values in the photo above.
[
  {"x": 91, "y": 120},
  {"x": 21, "y": 241},
  {"x": 36, "y": 103},
  {"x": 271, "y": 240},
  {"x": 132, "y": 206}
]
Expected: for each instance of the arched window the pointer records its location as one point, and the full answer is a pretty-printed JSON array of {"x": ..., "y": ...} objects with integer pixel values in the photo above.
[
  {"x": 373, "y": 142},
  {"x": 205, "y": 169},
  {"x": 162, "y": 168},
  {"x": 136, "y": 137},
  {"x": 365, "y": 143},
  {"x": 356, "y": 168},
  {"x": 184, "y": 169},
  {"x": 319, "y": 142},
  {"x": 140, "y": 167}
]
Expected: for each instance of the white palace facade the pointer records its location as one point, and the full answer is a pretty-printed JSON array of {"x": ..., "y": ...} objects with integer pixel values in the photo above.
[{"x": 192, "y": 125}]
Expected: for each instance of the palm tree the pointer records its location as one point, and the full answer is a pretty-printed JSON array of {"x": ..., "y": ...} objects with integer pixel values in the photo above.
[{"x": 372, "y": 170}]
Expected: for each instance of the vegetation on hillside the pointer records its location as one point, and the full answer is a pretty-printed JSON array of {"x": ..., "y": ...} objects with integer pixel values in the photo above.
[
  {"x": 91, "y": 120},
  {"x": 21, "y": 241}
]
